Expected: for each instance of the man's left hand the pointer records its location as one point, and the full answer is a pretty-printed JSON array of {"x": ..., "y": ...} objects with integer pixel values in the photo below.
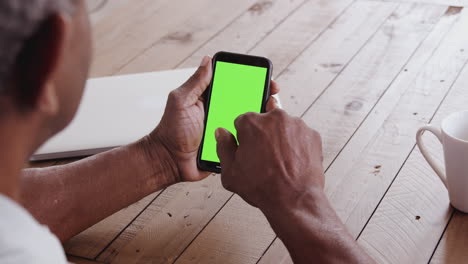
[{"x": 181, "y": 128}]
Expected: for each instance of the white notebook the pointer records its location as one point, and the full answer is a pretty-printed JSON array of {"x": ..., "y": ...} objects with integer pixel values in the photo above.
[{"x": 114, "y": 111}]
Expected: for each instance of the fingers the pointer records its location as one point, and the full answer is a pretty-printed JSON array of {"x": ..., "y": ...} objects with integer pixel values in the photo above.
[
  {"x": 271, "y": 104},
  {"x": 244, "y": 125},
  {"x": 226, "y": 147},
  {"x": 274, "y": 88},
  {"x": 197, "y": 84}
]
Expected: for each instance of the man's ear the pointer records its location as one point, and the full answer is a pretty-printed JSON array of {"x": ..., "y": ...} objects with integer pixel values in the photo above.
[{"x": 39, "y": 63}]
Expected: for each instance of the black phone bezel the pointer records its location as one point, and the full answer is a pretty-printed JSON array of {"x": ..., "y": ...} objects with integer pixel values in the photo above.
[{"x": 238, "y": 59}]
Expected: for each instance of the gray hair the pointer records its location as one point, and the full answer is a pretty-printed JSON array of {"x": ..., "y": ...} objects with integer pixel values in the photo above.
[{"x": 19, "y": 20}]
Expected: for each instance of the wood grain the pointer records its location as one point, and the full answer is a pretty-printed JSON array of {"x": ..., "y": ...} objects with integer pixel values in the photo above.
[
  {"x": 354, "y": 93},
  {"x": 132, "y": 29},
  {"x": 223, "y": 242},
  {"x": 283, "y": 45},
  {"x": 112, "y": 227},
  {"x": 459, "y": 3},
  {"x": 276, "y": 253},
  {"x": 452, "y": 248},
  {"x": 93, "y": 240},
  {"x": 418, "y": 185},
  {"x": 363, "y": 74},
  {"x": 414, "y": 212},
  {"x": 78, "y": 260},
  {"x": 109, "y": 29},
  {"x": 220, "y": 196},
  {"x": 247, "y": 31},
  {"x": 413, "y": 23},
  {"x": 169, "y": 223},
  {"x": 316, "y": 68},
  {"x": 190, "y": 34},
  {"x": 342, "y": 168},
  {"x": 89, "y": 243},
  {"x": 101, "y": 9},
  {"x": 387, "y": 131}
]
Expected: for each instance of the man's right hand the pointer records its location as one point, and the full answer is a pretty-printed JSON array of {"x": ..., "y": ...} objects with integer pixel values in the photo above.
[
  {"x": 277, "y": 167},
  {"x": 278, "y": 159}
]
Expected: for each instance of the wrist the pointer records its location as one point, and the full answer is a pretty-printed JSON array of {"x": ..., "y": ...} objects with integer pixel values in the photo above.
[
  {"x": 311, "y": 208},
  {"x": 311, "y": 224},
  {"x": 160, "y": 162},
  {"x": 313, "y": 201}
]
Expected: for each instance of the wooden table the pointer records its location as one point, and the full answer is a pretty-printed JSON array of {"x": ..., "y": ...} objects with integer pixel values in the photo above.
[{"x": 366, "y": 74}]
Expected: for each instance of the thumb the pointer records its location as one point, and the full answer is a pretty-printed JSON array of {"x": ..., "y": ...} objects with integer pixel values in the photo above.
[
  {"x": 226, "y": 146},
  {"x": 199, "y": 81}
]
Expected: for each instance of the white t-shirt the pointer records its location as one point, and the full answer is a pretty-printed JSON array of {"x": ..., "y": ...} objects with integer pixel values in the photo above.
[{"x": 23, "y": 240}]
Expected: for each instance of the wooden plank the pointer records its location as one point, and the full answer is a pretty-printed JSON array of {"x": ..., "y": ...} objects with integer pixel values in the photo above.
[
  {"x": 286, "y": 41},
  {"x": 168, "y": 225},
  {"x": 354, "y": 93},
  {"x": 89, "y": 243},
  {"x": 408, "y": 223},
  {"x": 458, "y": 3},
  {"x": 417, "y": 198},
  {"x": 299, "y": 31},
  {"x": 276, "y": 253},
  {"x": 92, "y": 241},
  {"x": 452, "y": 248},
  {"x": 130, "y": 30},
  {"x": 100, "y": 9},
  {"x": 223, "y": 242},
  {"x": 181, "y": 42},
  {"x": 187, "y": 37},
  {"x": 419, "y": 201},
  {"x": 308, "y": 76},
  {"x": 241, "y": 36},
  {"x": 95, "y": 232},
  {"x": 78, "y": 260},
  {"x": 409, "y": 25},
  {"x": 376, "y": 119},
  {"x": 377, "y": 142},
  {"x": 219, "y": 196}
]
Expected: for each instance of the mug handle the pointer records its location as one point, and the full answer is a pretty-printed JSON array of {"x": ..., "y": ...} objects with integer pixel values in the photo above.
[{"x": 438, "y": 133}]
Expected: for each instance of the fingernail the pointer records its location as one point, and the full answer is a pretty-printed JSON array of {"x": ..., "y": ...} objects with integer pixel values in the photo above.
[
  {"x": 218, "y": 134},
  {"x": 205, "y": 61}
]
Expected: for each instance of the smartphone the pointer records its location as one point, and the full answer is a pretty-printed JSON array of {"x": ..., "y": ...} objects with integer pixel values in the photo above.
[{"x": 240, "y": 84}]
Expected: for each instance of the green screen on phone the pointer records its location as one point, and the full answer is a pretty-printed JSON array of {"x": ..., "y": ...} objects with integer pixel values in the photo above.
[{"x": 237, "y": 89}]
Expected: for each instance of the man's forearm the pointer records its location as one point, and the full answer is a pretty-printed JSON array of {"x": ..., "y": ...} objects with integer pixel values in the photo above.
[
  {"x": 313, "y": 233},
  {"x": 72, "y": 197}
]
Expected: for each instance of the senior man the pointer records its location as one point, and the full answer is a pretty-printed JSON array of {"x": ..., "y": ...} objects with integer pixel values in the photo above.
[{"x": 45, "y": 52}]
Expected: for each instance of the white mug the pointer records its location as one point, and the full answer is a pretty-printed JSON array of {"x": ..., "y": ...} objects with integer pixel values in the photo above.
[{"x": 453, "y": 134}]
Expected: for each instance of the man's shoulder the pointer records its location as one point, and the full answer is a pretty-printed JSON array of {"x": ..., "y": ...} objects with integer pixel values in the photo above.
[{"x": 23, "y": 239}]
